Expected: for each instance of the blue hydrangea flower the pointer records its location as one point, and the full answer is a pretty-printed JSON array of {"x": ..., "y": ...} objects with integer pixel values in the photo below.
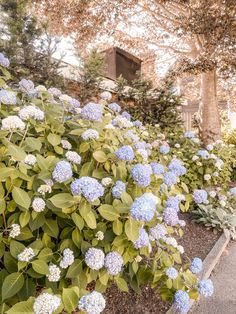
[
  {"x": 94, "y": 258},
  {"x": 233, "y": 191},
  {"x": 157, "y": 168},
  {"x": 206, "y": 288},
  {"x": 173, "y": 202},
  {"x": 62, "y": 171},
  {"x": 172, "y": 273},
  {"x": 176, "y": 166},
  {"x": 126, "y": 115},
  {"x": 132, "y": 136},
  {"x": 55, "y": 91},
  {"x": 7, "y": 97},
  {"x": 114, "y": 107},
  {"x": 141, "y": 174},
  {"x": 89, "y": 187},
  {"x": 189, "y": 134},
  {"x": 26, "y": 86},
  {"x": 164, "y": 149},
  {"x": 143, "y": 239},
  {"x": 74, "y": 103},
  {"x": 144, "y": 207},
  {"x": 92, "y": 112},
  {"x": 4, "y": 62},
  {"x": 203, "y": 153},
  {"x": 138, "y": 123},
  {"x": 158, "y": 232},
  {"x": 125, "y": 153},
  {"x": 170, "y": 178},
  {"x": 200, "y": 196},
  {"x": 140, "y": 145},
  {"x": 170, "y": 216},
  {"x": 118, "y": 189},
  {"x": 113, "y": 263},
  {"x": 182, "y": 301},
  {"x": 196, "y": 266},
  {"x": 90, "y": 134}
]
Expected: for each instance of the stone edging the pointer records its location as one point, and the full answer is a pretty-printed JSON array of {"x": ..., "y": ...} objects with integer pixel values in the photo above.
[{"x": 209, "y": 264}]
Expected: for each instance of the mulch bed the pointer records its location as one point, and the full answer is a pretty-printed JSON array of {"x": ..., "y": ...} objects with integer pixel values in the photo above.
[{"x": 197, "y": 242}]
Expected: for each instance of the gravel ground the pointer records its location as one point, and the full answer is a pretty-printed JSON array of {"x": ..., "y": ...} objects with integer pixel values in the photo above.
[{"x": 197, "y": 242}]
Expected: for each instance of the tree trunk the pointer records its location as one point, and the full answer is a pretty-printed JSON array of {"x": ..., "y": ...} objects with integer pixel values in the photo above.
[{"x": 210, "y": 117}]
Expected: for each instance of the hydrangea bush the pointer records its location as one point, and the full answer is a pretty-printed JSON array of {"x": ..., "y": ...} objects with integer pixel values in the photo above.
[{"x": 88, "y": 198}]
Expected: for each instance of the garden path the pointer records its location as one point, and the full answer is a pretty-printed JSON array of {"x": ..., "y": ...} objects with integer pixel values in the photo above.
[{"x": 224, "y": 279}]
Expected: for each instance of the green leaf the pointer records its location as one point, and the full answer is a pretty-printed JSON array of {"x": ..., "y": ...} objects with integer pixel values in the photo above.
[
  {"x": 16, "y": 152},
  {"x": 100, "y": 156},
  {"x": 24, "y": 219},
  {"x": 126, "y": 198},
  {"x": 40, "y": 266},
  {"x": 6, "y": 172},
  {"x": 46, "y": 254},
  {"x": 12, "y": 284},
  {"x": 78, "y": 220},
  {"x": 51, "y": 228},
  {"x": 117, "y": 227},
  {"x": 16, "y": 248},
  {"x": 132, "y": 229},
  {"x": 122, "y": 284},
  {"x": 75, "y": 269},
  {"x": 70, "y": 298},
  {"x": 62, "y": 200},
  {"x": 54, "y": 139},
  {"x": 90, "y": 220},
  {"x": 32, "y": 144},
  {"x": 84, "y": 147},
  {"x": 25, "y": 307},
  {"x": 21, "y": 197},
  {"x": 108, "y": 212}
]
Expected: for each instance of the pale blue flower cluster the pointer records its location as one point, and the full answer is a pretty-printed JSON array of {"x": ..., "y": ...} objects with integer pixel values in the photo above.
[
  {"x": 158, "y": 232},
  {"x": 141, "y": 145},
  {"x": 92, "y": 112},
  {"x": 141, "y": 174},
  {"x": 92, "y": 303},
  {"x": 176, "y": 166},
  {"x": 144, "y": 207},
  {"x": 206, "y": 288},
  {"x": 125, "y": 153},
  {"x": 203, "y": 153},
  {"x": 74, "y": 103},
  {"x": 196, "y": 266},
  {"x": 170, "y": 216},
  {"x": 89, "y": 187},
  {"x": 233, "y": 191},
  {"x": 4, "y": 62},
  {"x": 189, "y": 134},
  {"x": 90, "y": 134},
  {"x": 138, "y": 123},
  {"x": 157, "y": 168},
  {"x": 182, "y": 301},
  {"x": 113, "y": 263},
  {"x": 172, "y": 273},
  {"x": 7, "y": 97},
  {"x": 143, "y": 239},
  {"x": 132, "y": 136},
  {"x": 126, "y": 115},
  {"x": 170, "y": 178},
  {"x": 173, "y": 202},
  {"x": 164, "y": 149},
  {"x": 94, "y": 258},
  {"x": 114, "y": 107},
  {"x": 118, "y": 189},
  {"x": 26, "y": 86},
  {"x": 200, "y": 196},
  {"x": 62, "y": 171},
  {"x": 55, "y": 91}
]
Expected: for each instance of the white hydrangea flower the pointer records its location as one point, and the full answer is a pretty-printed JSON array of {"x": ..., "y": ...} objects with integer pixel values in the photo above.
[
  {"x": 46, "y": 303},
  {"x": 122, "y": 122},
  {"x": 195, "y": 157},
  {"x": 207, "y": 177},
  {"x": 26, "y": 255},
  {"x": 106, "y": 181},
  {"x": 222, "y": 203},
  {"x": 109, "y": 127},
  {"x": 65, "y": 98},
  {"x": 41, "y": 88},
  {"x": 67, "y": 259},
  {"x": 94, "y": 258},
  {"x": 106, "y": 95},
  {"x": 145, "y": 133},
  {"x": 49, "y": 182},
  {"x": 15, "y": 231},
  {"x": 12, "y": 123},
  {"x": 177, "y": 145},
  {"x": 44, "y": 188},
  {"x": 212, "y": 194},
  {"x": 66, "y": 145},
  {"x": 199, "y": 163},
  {"x": 38, "y": 204},
  {"x": 99, "y": 235},
  {"x": 209, "y": 147},
  {"x": 215, "y": 174},
  {"x": 30, "y": 160},
  {"x": 212, "y": 156},
  {"x": 171, "y": 241},
  {"x": 180, "y": 249},
  {"x": 73, "y": 157},
  {"x": 31, "y": 112},
  {"x": 54, "y": 273},
  {"x": 92, "y": 303},
  {"x": 90, "y": 134}
]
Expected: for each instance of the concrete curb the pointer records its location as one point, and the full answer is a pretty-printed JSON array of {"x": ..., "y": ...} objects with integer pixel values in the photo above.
[{"x": 209, "y": 264}]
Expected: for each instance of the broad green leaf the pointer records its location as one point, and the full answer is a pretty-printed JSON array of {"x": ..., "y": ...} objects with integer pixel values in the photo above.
[
  {"x": 6, "y": 172},
  {"x": 78, "y": 220},
  {"x": 12, "y": 284},
  {"x": 24, "y": 219},
  {"x": 46, "y": 254},
  {"x": 32, "y": 144},
  {"x": 16, "y": 248},
  {"x": 126, "y": 198},
  {"x": 132, "y": 229},
  {"x": 84, "y": 147},
  {"x": 122, "y": 284},
  {"x": 90, "y": 220},
  {"x": 75, "y": 269},
  {"x": 16, "y": 152},
  {"x": 51, "y": 228},
  {"x": 62, "y": 200},
  {"x": 54, "y": 139},
  {"x": 25, "y": 307},
  {"x": 21, "y": 197},
  {"x": 40, "y": 266},
  {"x": 108, "y": 212},
  {"x": 70, "y": 298},
  {"x": 100, "y": 156},
  {"x": 117, "y": 227}
]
